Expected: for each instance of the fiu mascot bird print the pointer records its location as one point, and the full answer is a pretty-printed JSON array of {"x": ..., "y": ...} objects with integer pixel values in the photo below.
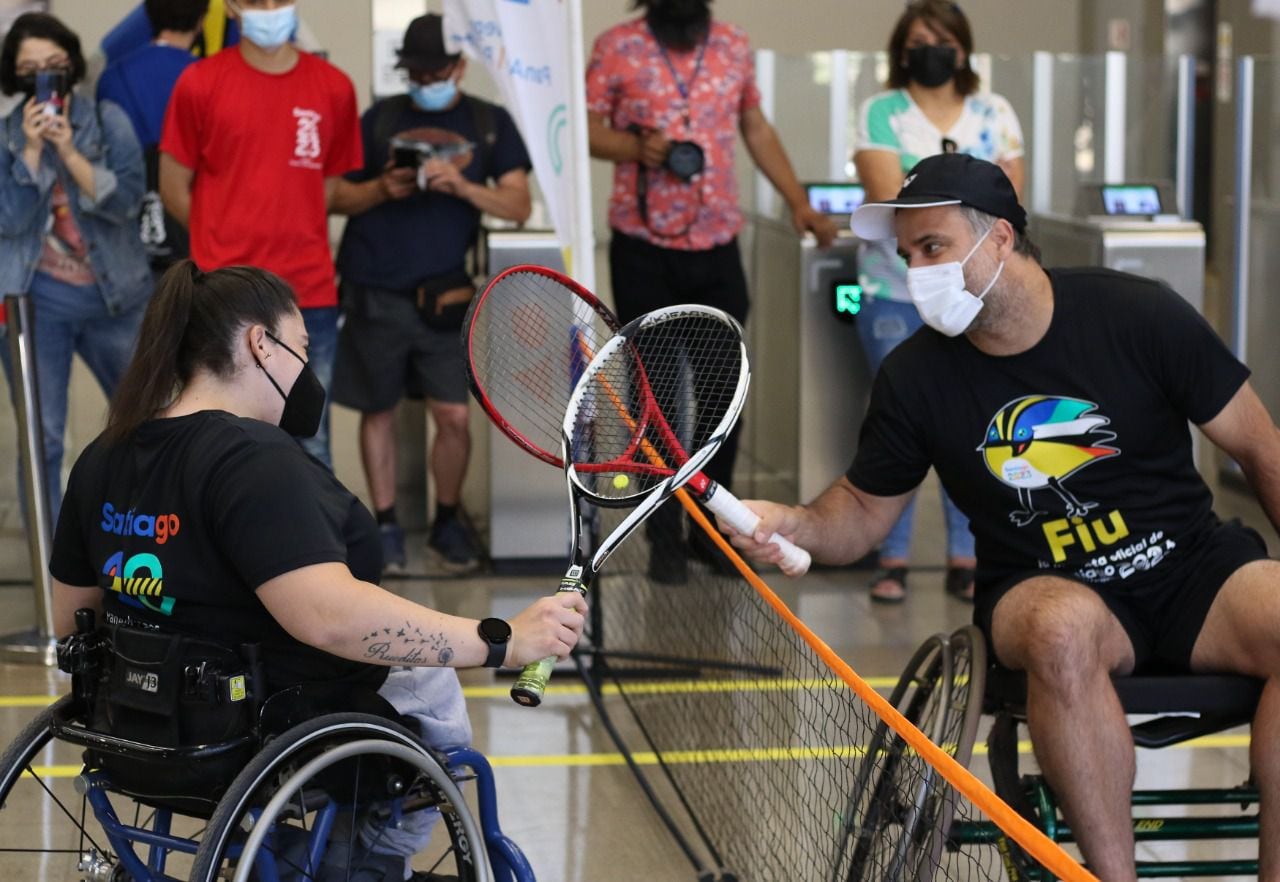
[{"x": 1037, "y": 441}]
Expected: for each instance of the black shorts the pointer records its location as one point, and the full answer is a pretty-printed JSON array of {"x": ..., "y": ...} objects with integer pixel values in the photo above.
[
  {"x": 1164, "y": 611},
  {"x": 387, "y": 352}
]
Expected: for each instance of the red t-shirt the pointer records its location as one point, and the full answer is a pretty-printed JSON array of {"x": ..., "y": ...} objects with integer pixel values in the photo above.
[{"x": 261, "y": 146}]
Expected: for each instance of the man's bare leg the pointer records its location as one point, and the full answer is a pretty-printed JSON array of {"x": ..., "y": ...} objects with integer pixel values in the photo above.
[
  {"x": 1069, "y": 643},
  {"x": 451, "y": 450},
  {"x": 378, "y": 455},
  {"x": 1241, "y": 635}
]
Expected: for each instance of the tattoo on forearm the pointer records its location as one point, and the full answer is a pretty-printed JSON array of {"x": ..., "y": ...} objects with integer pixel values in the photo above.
[{"x": 407, "y": 645}]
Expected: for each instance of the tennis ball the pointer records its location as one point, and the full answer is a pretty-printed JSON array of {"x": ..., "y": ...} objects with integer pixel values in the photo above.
[{"x": 620, "y": 482}]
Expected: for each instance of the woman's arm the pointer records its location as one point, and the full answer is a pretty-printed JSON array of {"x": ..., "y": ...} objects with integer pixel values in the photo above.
[
  {"x": 324, "y": 606},
  {"x": 111, "y": 187},
  {"x": 880, "y": 172},
  {"x": 69, "y": 598}
]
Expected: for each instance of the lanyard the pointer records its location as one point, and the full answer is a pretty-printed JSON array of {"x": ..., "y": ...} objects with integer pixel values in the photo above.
[{"x": 684, "y": 88}]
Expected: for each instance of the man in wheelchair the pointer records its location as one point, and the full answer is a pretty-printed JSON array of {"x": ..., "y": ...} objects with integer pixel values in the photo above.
[
  {"x": 195, "y": 525},
  {"x": 1054, "y": 406}
]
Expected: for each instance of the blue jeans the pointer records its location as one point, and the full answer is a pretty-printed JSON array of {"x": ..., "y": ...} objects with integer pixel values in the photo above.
[
  {"x": 882, "y": 325},
  {"x": 66, "y": 320},
  {"x": 322, "y": 329}
]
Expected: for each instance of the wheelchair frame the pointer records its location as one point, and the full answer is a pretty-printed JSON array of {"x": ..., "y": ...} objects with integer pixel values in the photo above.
[
  {"x": 358, "y": 736},
  {"x": 1218, "y": 702}
]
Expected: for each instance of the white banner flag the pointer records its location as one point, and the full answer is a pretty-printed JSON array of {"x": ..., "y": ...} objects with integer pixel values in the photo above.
[{"x": 533, "y": 51}]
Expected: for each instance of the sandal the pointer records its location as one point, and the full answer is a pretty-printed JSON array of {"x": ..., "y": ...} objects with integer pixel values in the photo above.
[
  {"x": 893, "y": 576},
  {"x": 960, "y": 583}
]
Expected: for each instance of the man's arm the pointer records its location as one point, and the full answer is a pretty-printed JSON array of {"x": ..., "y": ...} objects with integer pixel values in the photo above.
[
  {"x": 766, "y": 150},
  {"x": 1246, "y": 432},
  {"x": 839, "y": 527},
  {"x": 508, "y": 198},
  {"x": 648, "y": 146},
  {"x": 175, "y": 188},
  {"x": 344, "y": 196}
]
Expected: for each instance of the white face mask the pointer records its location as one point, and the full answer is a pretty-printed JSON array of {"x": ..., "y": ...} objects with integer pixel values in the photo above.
[
  {"x": 940, "y": 296},
  {"x": 268, "y": 29}
]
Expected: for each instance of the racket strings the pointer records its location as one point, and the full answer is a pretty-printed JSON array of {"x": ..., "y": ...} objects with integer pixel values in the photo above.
[
  {"x": 531, "y": 338},
  {"x": 653, "y": 401}
]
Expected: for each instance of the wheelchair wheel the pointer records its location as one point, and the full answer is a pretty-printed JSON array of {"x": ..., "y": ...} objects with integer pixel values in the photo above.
[
  {"x": 58, "y": 835},
  {"x": 333, "y": 799},
  {"x": 889, "y": 828}
]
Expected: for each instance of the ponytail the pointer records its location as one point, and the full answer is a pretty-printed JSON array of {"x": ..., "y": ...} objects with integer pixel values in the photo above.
[{"x": 190, "y": 325}]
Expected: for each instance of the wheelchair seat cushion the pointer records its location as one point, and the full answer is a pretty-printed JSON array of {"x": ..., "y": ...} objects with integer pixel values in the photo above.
[{"x": 1217, "y": 695}]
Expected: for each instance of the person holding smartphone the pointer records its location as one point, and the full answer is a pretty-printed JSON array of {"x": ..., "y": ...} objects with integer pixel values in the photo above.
[
  {"x": 435, "y": 159},
  {"x": 71, "y": 182}
]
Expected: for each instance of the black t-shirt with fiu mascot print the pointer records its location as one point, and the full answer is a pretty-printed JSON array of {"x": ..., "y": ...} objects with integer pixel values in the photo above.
[
  {"x": 181, "y": 524},
  {"x": 1074, "y": 455}
]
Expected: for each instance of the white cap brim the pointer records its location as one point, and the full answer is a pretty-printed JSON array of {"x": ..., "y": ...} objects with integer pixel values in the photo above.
[{"x": 874, "y": 220}]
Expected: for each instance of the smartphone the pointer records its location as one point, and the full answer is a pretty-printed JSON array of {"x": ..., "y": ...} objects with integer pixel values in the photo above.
[
  {"x": 50, "y": 87},
  {"x": 405, "y": 157}
]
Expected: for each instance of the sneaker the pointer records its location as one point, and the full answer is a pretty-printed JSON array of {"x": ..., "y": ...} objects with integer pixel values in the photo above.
[
  {"x": 393, "y": 560},
  {"x": 453, "y": 545}
]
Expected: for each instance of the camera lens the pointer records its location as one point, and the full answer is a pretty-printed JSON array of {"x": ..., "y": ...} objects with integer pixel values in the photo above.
[{"x": 685, "y": 160}]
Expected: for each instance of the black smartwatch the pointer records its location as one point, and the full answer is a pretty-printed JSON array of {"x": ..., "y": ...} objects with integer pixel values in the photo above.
[{"x": 496, "y": 633}]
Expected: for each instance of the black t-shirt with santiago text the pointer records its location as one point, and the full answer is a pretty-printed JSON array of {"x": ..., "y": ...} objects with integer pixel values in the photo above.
[
  {"x": 1074, "y": 455},
  {"x": 183, "y": 522}
]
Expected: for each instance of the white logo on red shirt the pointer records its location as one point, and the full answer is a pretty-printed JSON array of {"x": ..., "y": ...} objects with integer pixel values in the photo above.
[{"x": 306, "y": 143}]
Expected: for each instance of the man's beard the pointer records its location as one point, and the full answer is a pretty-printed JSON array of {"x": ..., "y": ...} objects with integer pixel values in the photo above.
[{"x": 679, "y": 24}]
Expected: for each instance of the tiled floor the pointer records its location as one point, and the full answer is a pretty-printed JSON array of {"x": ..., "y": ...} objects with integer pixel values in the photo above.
[{"x": 564, "y": 794}]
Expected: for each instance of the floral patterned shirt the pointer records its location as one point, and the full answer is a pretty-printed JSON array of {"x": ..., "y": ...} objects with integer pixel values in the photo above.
[{"x": 633, "y": 82}]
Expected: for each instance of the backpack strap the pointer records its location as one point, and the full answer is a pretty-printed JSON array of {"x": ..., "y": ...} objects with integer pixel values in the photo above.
[{"x": 484, "y": 120}]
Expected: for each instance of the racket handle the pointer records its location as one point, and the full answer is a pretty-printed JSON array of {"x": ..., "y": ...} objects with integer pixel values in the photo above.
[
  {"x": 727, "y": 507},
  {"x": 532, "y": 682}
]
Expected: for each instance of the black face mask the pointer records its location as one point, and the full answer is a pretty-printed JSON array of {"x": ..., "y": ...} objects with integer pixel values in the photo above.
[
  {"x": 679, "y": 24},
  {"x": 304, "y": 405},
  {"x": 931, "y": 66}
]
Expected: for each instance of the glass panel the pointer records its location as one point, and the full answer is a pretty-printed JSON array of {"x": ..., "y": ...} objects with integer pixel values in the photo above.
[
  {"x": 1262, "y": 315},
  {"x": 1151, "y": 131}
]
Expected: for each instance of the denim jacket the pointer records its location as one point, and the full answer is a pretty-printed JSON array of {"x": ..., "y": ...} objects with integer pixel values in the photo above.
[{"x": 108, "y": 220}]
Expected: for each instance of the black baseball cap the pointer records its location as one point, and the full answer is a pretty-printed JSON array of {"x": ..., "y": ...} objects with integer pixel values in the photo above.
[
  {"x": 423, "y": 47},
  {"x": 944, "y": 179}
]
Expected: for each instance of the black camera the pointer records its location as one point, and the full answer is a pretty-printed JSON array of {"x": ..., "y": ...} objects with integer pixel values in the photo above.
[{"x": 685, "y": 159}]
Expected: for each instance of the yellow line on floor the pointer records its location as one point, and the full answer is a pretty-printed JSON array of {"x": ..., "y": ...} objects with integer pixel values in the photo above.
[
  {"x": 711, "y": 756},
  {"x": 659, "y": 687}
]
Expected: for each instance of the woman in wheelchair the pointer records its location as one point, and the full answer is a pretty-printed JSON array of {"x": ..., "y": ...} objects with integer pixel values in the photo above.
[{"x": 197, "y": 513}]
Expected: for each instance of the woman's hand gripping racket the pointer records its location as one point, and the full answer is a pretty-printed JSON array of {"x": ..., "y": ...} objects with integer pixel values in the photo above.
[
  {"x": 651, "y": 407},
  {"x": 529, "y": 335}
]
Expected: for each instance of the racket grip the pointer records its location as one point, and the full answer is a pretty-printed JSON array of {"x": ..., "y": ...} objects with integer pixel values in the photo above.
[
  {"x": 532, "y": 682},
  {"x": 727, "y": 507}
]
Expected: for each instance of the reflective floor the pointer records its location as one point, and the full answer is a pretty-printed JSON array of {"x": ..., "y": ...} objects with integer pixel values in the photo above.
[{"x": 564, "y": 794}]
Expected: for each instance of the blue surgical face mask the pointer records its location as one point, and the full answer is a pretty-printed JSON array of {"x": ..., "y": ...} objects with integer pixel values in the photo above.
[
  {"x": 268, "y": 29},
  {"x": 434, "y": 96}
]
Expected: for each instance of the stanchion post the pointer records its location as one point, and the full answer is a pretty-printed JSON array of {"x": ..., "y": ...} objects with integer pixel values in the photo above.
[{"x": 35, "y": 645}]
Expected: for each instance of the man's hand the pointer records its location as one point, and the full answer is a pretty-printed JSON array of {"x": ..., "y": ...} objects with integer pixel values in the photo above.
[
  {"x": 445, "y": 177},
  {"x": 549, "y": 626},
  {"x": 824, "y": 229},
  {"x": 397, "y": 183},
  {"x": 654, "y": 147},
  {"x": 774, "y": 518}
]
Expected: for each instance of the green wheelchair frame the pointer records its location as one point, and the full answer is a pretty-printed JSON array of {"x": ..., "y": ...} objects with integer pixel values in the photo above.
[
  {"x": 899, "y": 823},
  {"x": 1182, "y": 707}
]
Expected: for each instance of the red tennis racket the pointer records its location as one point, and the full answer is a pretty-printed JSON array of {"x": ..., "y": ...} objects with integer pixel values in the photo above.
[
  {"x": 647, "y": 413},
  {"x": 529, "y": 335}
]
